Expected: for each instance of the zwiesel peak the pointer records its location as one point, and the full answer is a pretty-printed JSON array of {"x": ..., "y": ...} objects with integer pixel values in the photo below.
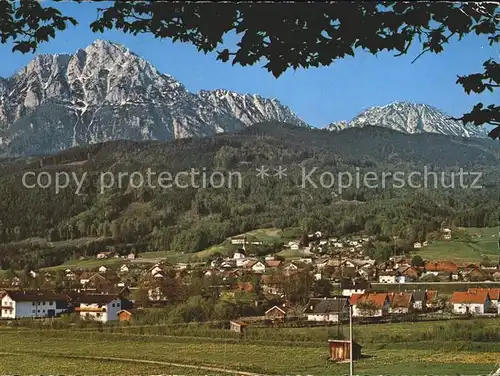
[
  {"x": 106, "y": 92},
  {"x": 410, "y": 117}
]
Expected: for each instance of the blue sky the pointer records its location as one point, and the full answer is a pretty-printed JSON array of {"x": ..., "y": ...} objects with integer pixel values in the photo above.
[{"x": 317, "y": 95}]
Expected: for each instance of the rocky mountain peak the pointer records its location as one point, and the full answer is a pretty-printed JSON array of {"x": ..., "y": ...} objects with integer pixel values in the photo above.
[
  {"x": 105, "y": 92},
  {"x": 410, "y": 117}
]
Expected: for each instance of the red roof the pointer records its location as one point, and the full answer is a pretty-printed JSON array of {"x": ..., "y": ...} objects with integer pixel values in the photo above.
[
  {"x": 401, "y": 299},
  {"x": 355, "y": 298},
  {"x": 441, "y": 266},
  {"x": 245, "y": 286},
  {"x": 378, "y": 299},
  {"x": 479, "y": 297},
  {"x": 273, "y": 263},
  {"x": 493, "y": 292},
  {"x": 431, "y": 294}
]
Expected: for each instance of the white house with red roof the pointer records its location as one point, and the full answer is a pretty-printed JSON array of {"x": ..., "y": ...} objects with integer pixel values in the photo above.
[
  {"x": 99, "y": 307},
  {"x": 477, "y": 302}
]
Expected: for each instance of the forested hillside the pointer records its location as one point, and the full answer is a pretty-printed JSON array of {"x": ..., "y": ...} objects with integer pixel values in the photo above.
[{"x": 191, "y": 219}]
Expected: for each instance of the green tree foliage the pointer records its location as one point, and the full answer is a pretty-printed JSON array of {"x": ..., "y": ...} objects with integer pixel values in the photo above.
[
  {"x": 287, "y": 36},
  {"x": 417, "y": 261}
]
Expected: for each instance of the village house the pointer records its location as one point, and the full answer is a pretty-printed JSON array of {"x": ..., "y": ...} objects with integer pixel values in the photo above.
[
  {"x": 99, "y": 307},
  {"x": 290, "y": 268},
  {"x": 239, "y": 254},
  {"x": 446, "y": 233},
  {"x": 419, "y": 300},
  {"x": 24, "y": 304},
  {"x": 102, "y": 269},
  {"x": 401, "y": 302},
  {"x": 85, "y": 278},
  {"x": 326, "y": 309},
  {"x": 70, "y": 275},
  {"x": 370, "y": 305},
  {"x": 270, "y": 285},
  {"x": 273, "y": 264},
  {"x": 155, "y": 269},
  {"x": 181, "y": 266},
  {"x": 417, "y": 245},
  {"x": 124, "y": 269},
  {"x": 258, "y": 267},
  {"x": 407, "y": 274},
  {"x": 244, "y": 287},
  {"x": 276, "y": 313},
  {"x": 437, "y": 267},
  {"x": 131, "y": 256},
  {"x": 104, "y": 255},
  {"x": 241, "y": 262},
  {"x": 431, "y": 297},
  {"x": 496, "y": 276},
  {"x": 494, "y": 294},
  {"x": 387, "y": 277},
  {"x": 476, "y": 303},
  {"x": 476, "y": 274},
  {"x": 97, "y": 282},
  {"x": 238, "y": 240},
  {"x": 350, "y": 287}
]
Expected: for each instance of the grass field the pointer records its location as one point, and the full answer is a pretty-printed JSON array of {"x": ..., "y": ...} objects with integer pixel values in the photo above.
[
  {"x": 464, "y": 251},
  {"x": 388, "y": 349},
  {"x": 266, "y": 235}
]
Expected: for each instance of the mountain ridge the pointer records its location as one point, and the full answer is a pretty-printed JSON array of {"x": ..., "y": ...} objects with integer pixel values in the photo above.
[
  {"x": 409, "y": 117},
  {"x": 106, "y": 92}
]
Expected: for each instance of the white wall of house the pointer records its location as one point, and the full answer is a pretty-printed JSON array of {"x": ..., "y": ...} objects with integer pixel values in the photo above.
[
  {"x": 155, "y": 270},
  {"x": 350, "y": 292},
  {"x": 241, "y": 262},
  {"x": 387, "y": 279},
  {"x": 27, "y": 309},
  {"x": 8, "y": 308},
  {"x": 259, "y": 267},
  {"x": 356, "y": 312},
  {"x": 473, "y": 308},
  {"x": 111, "y": 311},
  {"x": 418, "y": 305},
  {"x": 402, "y": 279},
  {"x": 398, "y": 310},
  {"x": 331, "y": 317}
]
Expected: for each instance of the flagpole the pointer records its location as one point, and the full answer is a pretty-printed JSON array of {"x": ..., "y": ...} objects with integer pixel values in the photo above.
[{"x": 351, "y": 361}]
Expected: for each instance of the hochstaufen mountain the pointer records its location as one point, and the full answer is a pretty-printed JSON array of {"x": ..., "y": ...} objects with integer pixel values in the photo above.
[
  {"x": 106, "y": 92},
  {"x": 409, "y": 117}
]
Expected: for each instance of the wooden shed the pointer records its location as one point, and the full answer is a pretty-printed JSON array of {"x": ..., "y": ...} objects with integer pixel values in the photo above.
[
  {"x": 238, "y": 327},
  {"x": 124, "y": 315},
  {"x": 340, "y": 350}
]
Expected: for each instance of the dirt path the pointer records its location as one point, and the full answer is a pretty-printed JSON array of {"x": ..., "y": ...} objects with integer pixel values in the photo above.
[{"x": 131, "y": 360}]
